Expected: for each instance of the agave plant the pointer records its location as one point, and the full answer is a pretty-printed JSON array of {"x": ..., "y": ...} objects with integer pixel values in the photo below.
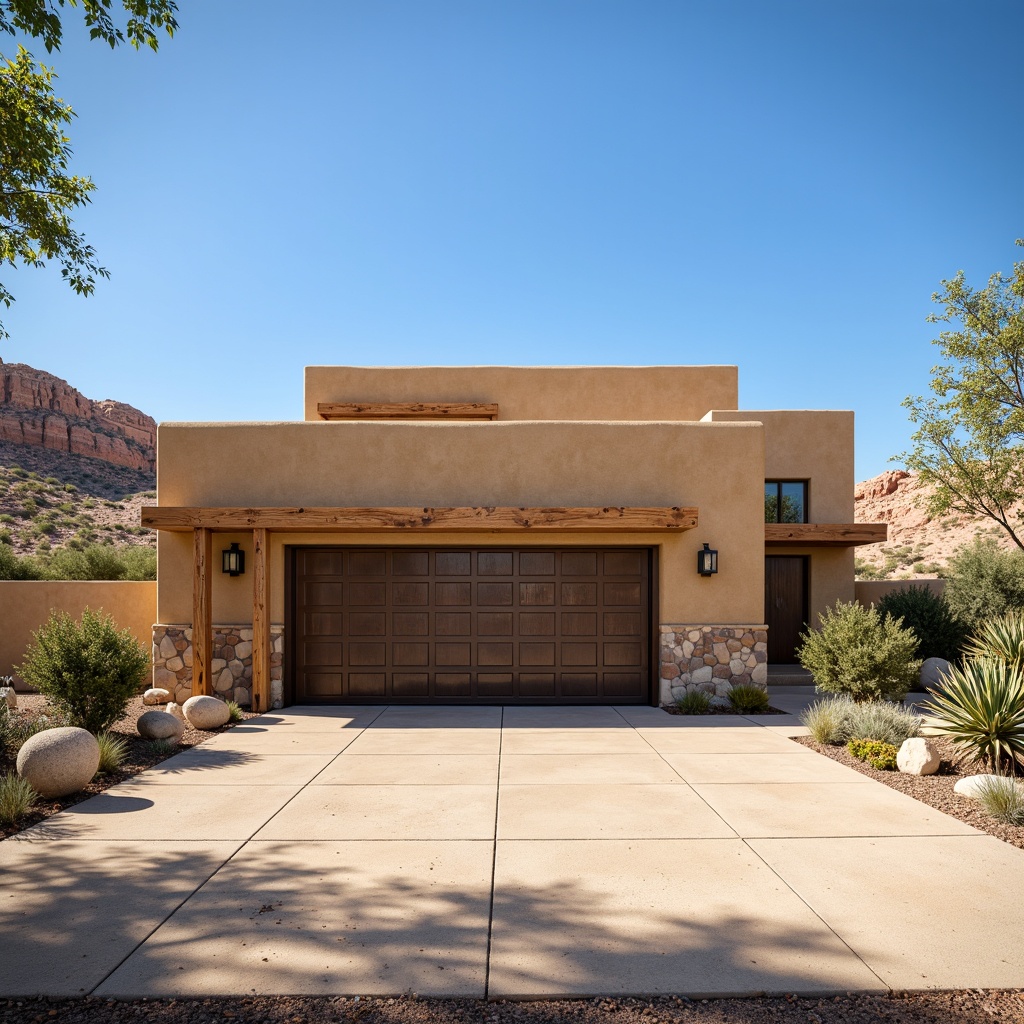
[
  {"x": 981, "y": 709},
  {"x": 1002, "y": 637}
]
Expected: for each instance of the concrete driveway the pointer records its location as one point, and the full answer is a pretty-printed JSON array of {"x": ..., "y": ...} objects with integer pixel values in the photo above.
[{"x": 509, "y": 853}]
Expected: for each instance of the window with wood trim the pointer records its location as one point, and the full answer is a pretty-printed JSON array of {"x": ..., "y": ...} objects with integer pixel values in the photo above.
[{"x": 785, "y": 501}]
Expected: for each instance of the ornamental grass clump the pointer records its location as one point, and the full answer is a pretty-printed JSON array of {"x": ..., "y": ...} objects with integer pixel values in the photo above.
[
  {"x": 113, "y": 751},
  {"x": 858, "y": 653},
  {"x": 16, "y": 797},
  {"x": 981, "y": 709},
  {"x": 827, "y": 719},
  {"x": 235, "y": 712},
  {"x": 748, "y": 700},
  {"x": 88, "y": 671},
  {"x": 1003, "y": 799},
  {"x": 696, "y": 702},
  {"x": 880, "y": 720}
]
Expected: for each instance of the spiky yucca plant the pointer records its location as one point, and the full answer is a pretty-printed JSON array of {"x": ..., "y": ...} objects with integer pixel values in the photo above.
[
  {"x": 981, "y": 709},
  {"x": 1002, "y": 638}
]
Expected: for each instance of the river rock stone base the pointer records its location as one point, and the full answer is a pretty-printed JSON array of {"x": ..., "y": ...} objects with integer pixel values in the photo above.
[
  {"x": 713, "y": 659},
  {"x": 230, "y": 668}
]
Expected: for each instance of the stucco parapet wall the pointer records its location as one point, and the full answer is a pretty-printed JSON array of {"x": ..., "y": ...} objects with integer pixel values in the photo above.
[
  {"x": 230, "y": 667},
  {"x": 536, "y": 392},
  {"x": 712, "y": 659}
]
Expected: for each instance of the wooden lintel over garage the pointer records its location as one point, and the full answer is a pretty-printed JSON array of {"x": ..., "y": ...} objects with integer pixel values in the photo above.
[
  {"x": 824, "y": 535},
  {"x": 407, "y": 410},
  {"x": 360, "y": 520}
]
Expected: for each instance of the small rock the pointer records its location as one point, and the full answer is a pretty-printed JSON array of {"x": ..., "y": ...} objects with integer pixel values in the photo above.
[
  {"x": 934, "y": 672},
  {"x": 59, "y": 762},
  {"x": 175, "y": 709},
  {"x": 159, "y": 725},
  {"x": 157, "y": 695},
  {"x": 204, "y": 712},
  {"x": 918, "y": 756},
  {"x": 972, "y": 786},
  {"x": 719, "y": 703},
  {"x": 7, "y": 693}
]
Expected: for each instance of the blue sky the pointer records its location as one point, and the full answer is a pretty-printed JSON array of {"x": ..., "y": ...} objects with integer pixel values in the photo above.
[{"x": 781, "y": 186}]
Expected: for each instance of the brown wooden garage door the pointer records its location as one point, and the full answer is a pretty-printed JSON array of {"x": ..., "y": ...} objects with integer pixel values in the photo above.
[{"x": 458, "y": 625}]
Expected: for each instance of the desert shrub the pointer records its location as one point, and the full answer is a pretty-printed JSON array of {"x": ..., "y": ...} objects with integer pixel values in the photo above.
[
  {"x": 16, "y": 797},
  {"x": 13, "y": 567},
  {"x": 981, "y": 709},
  {"x": 940, "y": 634},
  {"x": 1001, "y": 638},
  {"x": 826, "y": 719},
  {"x": 234, "y": 712},
  {"x": 696, "y": 702},
  {"x": 89, "y": 671},
  {"x": 880, "y": 720},
  {"x": 859, "y": 653},
  {"x": 100, "y": 562},
  {"x": 113, "y": 750},
  {"x": 984, "y": 581},
  {"x": 876, "y": 753},
  {"x": 750, "y": 700},
  {"x": 1003, "y": 799}
]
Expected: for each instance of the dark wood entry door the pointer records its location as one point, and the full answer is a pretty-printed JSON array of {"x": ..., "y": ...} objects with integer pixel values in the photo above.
[
  {"x": 785, "y": 605},
  {"x": 459, "y": 625}
]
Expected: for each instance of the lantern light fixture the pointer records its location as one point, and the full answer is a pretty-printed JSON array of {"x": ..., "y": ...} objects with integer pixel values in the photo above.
[
  {"x": 232, "y": 560},
  {"x": 707, "y": 561}
]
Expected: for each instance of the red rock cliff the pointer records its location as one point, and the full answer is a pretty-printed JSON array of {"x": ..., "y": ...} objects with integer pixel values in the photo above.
[{"x": 39, "y": 409}]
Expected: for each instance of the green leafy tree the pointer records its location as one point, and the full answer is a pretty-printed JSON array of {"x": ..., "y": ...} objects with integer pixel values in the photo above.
[
  {"x": 969, "y": 441},
  {"x": 37, "y": 194}
]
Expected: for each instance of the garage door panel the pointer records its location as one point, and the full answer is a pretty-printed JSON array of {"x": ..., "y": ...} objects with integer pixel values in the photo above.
[{"x": 502, "y": 625}]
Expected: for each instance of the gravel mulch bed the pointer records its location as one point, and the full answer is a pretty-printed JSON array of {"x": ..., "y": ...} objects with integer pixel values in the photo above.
[
  {"x": 140, "y": 755},
  {"x": 962, "y": 1007},
  {"x": 934, "y": 790}
]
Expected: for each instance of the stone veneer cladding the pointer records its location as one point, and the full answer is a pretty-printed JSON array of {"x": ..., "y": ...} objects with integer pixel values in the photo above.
[
  {"x": 230, "y": 668},
  {"x": 711, "y": 658}
]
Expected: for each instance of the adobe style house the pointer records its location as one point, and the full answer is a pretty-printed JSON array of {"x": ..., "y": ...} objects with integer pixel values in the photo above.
[{"x": 499, "y": 535}]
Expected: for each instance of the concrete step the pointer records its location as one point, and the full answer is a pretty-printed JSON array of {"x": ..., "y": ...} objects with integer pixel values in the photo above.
[{"x": 789, "y": 675}]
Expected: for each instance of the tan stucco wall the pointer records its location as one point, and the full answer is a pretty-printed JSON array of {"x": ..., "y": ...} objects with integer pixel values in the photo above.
[
  {"x": 870, "y": 592},
  {"x": 536, "y": 392},
  {"x": 807, "y": 445},
  {"x": 718, "y": 467},
  {"x": 26, "y": 605}
]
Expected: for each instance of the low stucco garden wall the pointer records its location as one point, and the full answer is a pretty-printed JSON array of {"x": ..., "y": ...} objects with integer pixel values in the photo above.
[{"x": 25, "y": 605}]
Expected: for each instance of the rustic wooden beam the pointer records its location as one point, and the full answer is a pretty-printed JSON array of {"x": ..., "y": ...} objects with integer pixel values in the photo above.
[
  {"x": 359, "y": 520},
  {"x": 260, "y": 621},
  {"x": 835, "y": 535},
  {"x": 202, "y": 615},
  {"x": 407, "y": 410}
]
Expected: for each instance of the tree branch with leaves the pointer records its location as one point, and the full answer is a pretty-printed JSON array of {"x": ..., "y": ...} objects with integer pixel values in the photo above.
[{"x": 969, "y": 441}]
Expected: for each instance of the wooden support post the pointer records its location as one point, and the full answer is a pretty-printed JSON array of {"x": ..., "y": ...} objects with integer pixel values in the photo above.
[
  {"x": 202, "y": 617},
  {"x": 260, "y": 621}
]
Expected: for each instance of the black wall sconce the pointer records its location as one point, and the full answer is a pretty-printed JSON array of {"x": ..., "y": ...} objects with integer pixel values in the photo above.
[
  {"x": 707, "y": 561},
  {"x": 232, "y": 560}
]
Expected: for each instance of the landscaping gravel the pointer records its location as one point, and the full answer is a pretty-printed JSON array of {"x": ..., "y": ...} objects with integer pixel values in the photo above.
[
  {"x": 906, "y": 1008},
  {"x": 934, "y": 790}
]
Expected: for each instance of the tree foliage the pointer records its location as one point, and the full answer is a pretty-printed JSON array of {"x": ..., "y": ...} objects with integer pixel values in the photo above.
[
  {"x": 37, "y": 194},
  {"x": 969, "y": 441}
]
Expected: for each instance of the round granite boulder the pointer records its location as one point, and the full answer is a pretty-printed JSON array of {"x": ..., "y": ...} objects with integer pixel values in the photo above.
[
  {"x": 206, "y": 712},
  {"x": 59, "y": 762},
  {"x": 934, "y": 672},
  {"x": 159, "y": 725}
]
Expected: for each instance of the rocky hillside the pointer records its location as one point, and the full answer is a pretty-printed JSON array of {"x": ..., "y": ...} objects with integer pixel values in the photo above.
[
  {"x": 39, "y": 410},
  {"x": 918, "y": 545}
]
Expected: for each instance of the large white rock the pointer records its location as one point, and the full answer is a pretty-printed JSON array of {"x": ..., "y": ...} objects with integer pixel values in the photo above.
[
  {"x": 159, "y": 725},
  {"x": 175, "y": 709},
  {"x": 934, "y": 672},
  {"x": 918, "y": 756},
  {"x": 157, "y": 695},
  {"x": 59, "y": 762},
  {"x": 973, "y": 785},
  {"x": 204, "y": 712},
  {"x": 7, "y": 693}
]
